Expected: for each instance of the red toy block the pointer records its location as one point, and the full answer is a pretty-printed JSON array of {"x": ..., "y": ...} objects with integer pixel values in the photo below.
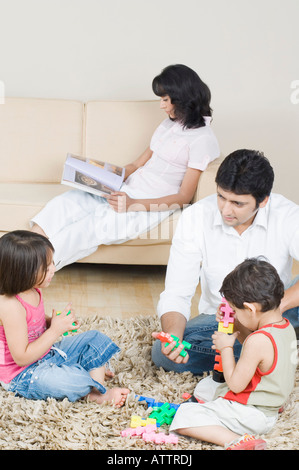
[
  {"x": 218, "y": 363},
  {"x": 226, "y": 326},
  {"x": 165, "y": 337}
]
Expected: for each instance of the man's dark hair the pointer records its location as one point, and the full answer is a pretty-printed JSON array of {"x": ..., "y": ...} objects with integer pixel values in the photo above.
[
  {"x": 24, "y": 259},
  {"x": 254, "y": 280},
  {"x": 188, "y": 93},
  {"x": 246, "y": 172}
]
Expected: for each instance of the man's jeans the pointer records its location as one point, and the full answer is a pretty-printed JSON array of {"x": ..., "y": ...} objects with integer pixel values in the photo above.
[{"x": 198, "y": 332}]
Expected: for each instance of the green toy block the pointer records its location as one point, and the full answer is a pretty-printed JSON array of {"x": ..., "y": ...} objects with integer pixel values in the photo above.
[
  {"x": 163, "y": 414},
  {"x": 74, "y": 324},
  {"x": 186, "y": 345}
]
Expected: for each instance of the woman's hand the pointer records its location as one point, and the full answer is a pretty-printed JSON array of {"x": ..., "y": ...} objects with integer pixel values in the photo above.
[{"x": 121, "y": 202}]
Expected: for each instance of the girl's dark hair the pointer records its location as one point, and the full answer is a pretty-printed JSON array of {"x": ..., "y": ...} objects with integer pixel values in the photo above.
[
  {"x": 188, "y": 93},
  {"x": 246, "y": 172},
  {"x": 254, "y": 280},
  {"x": 24, "y": 257}
]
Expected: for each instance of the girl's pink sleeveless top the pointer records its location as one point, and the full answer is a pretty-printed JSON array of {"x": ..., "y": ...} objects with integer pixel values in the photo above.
[{"x": 36, "y": 324}]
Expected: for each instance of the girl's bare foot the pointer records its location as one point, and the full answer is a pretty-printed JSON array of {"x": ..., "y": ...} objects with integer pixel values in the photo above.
[{"x": 116, "y": 395}]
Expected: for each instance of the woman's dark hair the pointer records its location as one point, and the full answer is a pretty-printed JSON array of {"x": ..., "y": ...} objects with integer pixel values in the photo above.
[
  {"x": 188, "y": 93},
  {"x": 254, "y": 280},
  {"x": 246, "y": 172},
  {"x": 24, "y": 258}
]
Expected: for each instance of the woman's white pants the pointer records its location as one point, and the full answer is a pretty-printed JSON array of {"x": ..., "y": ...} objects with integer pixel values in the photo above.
[{"x": 77, "y": 222}]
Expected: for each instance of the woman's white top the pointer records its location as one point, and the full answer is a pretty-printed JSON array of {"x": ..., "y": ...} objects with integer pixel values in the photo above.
[{"x": 174, "y": 150}]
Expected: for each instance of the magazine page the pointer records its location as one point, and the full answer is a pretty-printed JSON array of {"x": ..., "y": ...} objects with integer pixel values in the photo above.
[{"x": 92, "y": 175}]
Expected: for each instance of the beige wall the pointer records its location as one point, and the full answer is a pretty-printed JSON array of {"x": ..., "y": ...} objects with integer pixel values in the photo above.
[{"x": 246, "y": 50}]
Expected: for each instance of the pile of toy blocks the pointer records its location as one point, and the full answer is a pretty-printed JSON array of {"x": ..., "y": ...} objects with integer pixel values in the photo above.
[{"x": 147, "y": 429}]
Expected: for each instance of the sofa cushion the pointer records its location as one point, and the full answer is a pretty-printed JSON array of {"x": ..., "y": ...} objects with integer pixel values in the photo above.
[
  {"x": 35, "y": 136},
  {"x": 19, "y": 202},
  {"x": 119, "y": 131}
]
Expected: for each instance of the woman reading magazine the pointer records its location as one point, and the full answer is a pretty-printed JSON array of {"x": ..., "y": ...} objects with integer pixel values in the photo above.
[{"x": 162, "y": 179}]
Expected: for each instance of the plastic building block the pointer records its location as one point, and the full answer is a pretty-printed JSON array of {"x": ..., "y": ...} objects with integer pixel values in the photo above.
[
  {"x": 139, "y": 431},
  {"x": 226, "y": 329},
  {"x": 74, "y": 324},
  {"x": 149, "y": 434},
  {"x": 191, "y": 398},
  {"x": 151, "y": 402},
  {"x": 163, "y": 414},
  {"x": 228, "y": 316},
  {"x": 167, "y": 338},
  {"x": 186, "y": 396},
  {"x": 160, "y": 438},
  {"x": 226, "y": 326},
  {"x": 137, "y": 421}
]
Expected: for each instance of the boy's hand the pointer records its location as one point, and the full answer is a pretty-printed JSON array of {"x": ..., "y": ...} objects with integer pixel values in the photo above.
[
  {"x": 222, "y": 340},
  {"x": 219, "y": 313}
]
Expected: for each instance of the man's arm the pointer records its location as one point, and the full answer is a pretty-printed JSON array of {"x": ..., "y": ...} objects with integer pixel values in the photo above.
[
  {"x": 182, "y": 278},
  {"x": 173, "y": 323},
  {"x": 291, "y": 298}
]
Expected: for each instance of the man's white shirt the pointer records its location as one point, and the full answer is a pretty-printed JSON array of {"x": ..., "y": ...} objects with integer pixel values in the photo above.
[{"x": 205, "y": 248}]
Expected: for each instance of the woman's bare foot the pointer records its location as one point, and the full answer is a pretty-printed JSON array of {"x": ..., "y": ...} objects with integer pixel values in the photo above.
[{"x": 116, "y": 395}]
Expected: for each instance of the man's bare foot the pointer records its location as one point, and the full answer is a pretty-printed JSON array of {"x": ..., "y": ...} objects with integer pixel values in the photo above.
[{"x": 116, "y": 395}]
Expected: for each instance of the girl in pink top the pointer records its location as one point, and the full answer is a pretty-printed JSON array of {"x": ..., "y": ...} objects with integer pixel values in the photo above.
[{"x": 34, "y": 363}]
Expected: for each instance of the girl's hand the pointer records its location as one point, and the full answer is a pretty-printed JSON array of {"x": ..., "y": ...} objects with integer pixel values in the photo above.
[
  {"x": 63, "y": 321},
  {"x": 120, "y": 201},
  {"x": 223, "y": 340}
]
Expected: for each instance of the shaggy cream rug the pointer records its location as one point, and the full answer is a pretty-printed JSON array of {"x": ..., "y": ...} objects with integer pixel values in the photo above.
[{"x": 61, "y": 425}]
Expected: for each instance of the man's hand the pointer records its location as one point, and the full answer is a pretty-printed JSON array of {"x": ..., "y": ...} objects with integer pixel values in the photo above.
[{"x": 171, "y": 352}]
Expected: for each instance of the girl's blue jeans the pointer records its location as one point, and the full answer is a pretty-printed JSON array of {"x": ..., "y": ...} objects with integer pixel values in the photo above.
[
  {"x": 64, "y": 371},
  {"x": 198, "y": 332}
]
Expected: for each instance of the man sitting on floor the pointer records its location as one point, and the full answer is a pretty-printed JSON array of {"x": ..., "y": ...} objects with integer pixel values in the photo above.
[{"x": 244, "y": 219}]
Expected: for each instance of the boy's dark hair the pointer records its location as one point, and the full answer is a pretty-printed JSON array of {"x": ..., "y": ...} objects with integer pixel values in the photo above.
[
  {"x": 246, "y": 172},
  {"x": 188, "y": 93},
  {"x": 24, "y": 257},
  {"x": 254, "y": 280}
]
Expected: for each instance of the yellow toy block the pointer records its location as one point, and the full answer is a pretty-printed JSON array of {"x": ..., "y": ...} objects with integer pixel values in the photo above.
[
  {"x": 137, "y": 421},
  {"x": 226, "y": 329}
]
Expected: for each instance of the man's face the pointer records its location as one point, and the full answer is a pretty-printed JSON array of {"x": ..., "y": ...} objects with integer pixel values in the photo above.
[{"x": 237, "y": 210}]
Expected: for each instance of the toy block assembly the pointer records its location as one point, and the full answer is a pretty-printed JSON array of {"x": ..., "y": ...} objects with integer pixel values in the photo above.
[
  {"x": 149, "y": 434},
  {"x": 151, "y": 402},
  {"x": 74, "y": 324},
  {"x": 160, "y": 438},
  {"x": 226, "y": 326},
  {"x": 137, "y": 421},
  {"x": 139, "y": 431},
  {"x": 167, "y": 338},
  {"x": 163, "y": 414}
]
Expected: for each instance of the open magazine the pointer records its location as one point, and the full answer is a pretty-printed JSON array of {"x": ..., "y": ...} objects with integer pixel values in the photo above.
[{"x": 91, "y": 175}]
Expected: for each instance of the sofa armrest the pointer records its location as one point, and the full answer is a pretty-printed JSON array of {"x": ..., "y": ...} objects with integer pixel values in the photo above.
[{"x": 206, "y": 185}]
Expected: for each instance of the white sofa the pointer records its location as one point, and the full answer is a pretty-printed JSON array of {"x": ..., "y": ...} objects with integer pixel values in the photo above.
[{"x": 36, "y": 135}]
